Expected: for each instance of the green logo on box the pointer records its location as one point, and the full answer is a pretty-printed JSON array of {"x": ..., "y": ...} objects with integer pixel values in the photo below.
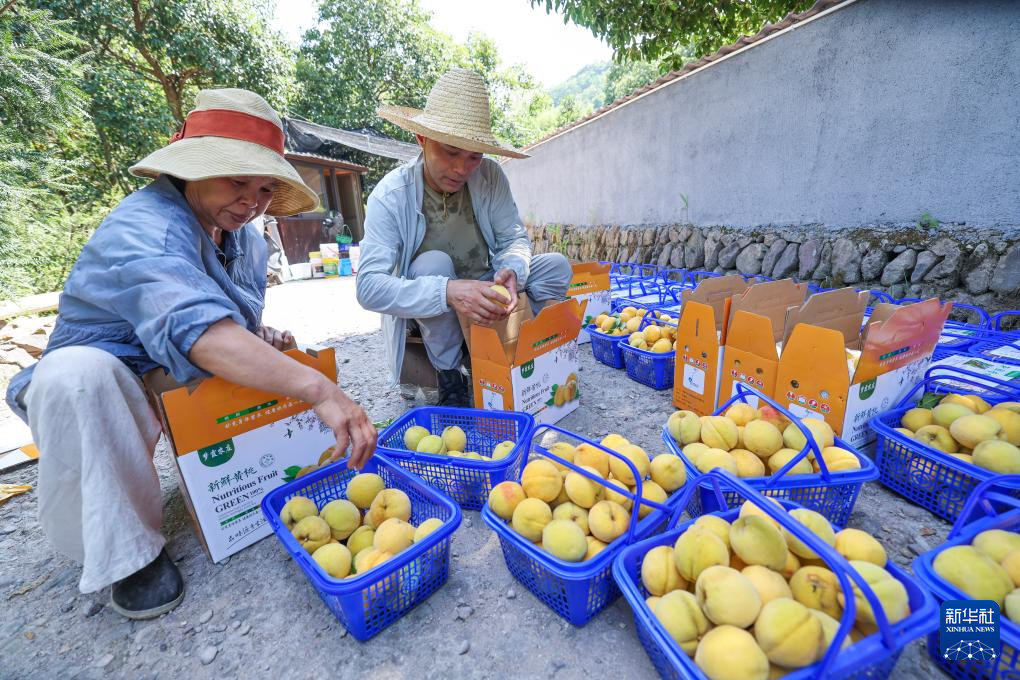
[
  {"x": 528, "y": 369},
  {"x": 217, "y": 454},
  {"x": 868, "y": 388}
]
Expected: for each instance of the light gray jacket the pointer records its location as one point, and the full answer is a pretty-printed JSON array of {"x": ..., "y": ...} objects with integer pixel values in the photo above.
[{"x": 394, "y": 229}]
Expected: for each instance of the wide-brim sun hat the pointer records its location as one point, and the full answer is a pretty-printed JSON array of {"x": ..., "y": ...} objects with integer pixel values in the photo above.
[
  {"x": 456, "y": 113},
  {"x": 232, "y": 133}
]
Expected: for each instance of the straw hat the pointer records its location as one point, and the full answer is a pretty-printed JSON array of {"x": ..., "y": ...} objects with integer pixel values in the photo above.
[
  {"x": 232, "y": 133},
  {"x": 456, "y": 113}
]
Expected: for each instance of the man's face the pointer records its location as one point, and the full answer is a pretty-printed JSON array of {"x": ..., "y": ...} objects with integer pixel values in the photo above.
[
  {"x": 447, "y": 168},
  {"x": 229, "y": 202}
]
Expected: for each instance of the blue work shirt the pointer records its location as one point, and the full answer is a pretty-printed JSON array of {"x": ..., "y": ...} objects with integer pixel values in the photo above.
[{"x": 150, "y": 281}]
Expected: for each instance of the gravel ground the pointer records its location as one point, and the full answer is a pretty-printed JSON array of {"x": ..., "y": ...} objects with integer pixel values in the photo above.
[{"x": 256, "y": 615}]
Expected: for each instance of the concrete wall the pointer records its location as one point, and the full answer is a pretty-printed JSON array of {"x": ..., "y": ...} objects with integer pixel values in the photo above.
[{"x": 870, "y": 115}]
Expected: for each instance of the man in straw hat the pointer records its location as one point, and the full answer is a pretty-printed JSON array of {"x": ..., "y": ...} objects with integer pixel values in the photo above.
[
  {"x": 173, "y": 278},
  {"x": 442, "y": 229}
]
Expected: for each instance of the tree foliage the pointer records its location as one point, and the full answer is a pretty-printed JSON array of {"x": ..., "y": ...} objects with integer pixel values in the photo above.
[
  {"x": 653, "y": 30},
  {"x": 361, "y": 56},
  {"x": 150, "y": 57},
  {"x": 40, "y": 104}
]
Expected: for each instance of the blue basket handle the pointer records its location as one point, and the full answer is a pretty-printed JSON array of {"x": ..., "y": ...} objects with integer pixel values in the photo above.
[
  {"x": 650, "y": 319},
  {"x": 667, "y": 271},
  {"x": 845, "y": 573},
  {"x": 637, "y": 498},
  {"x": 937, "y": 373},
  {"x": 744, "y": 391},
  {"x": 882, "y": 296},
  {"x": 756, "y": 278},
  {"x": 693, "y": 276},
  {"x": 985, "y": 320},
  {"x": 980, "y": 502},
  {"x": 996, "y": 322}
]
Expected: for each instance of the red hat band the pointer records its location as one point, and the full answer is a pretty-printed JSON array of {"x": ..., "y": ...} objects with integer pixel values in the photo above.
[{"x": 232, "y": 125}]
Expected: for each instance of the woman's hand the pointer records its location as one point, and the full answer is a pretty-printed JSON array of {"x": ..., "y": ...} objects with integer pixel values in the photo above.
[
  {"x": 281, "y": 340},
  {"x": 350, "y": 425},
  {"x": 228, "y": 350}
]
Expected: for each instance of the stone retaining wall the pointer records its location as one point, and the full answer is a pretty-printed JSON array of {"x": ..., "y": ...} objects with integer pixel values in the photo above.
[{"x": 982, "y": 267}]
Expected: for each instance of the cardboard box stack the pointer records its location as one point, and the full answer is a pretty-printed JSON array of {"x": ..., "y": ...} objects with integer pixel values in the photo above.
[{"x": 815, "y": 355}]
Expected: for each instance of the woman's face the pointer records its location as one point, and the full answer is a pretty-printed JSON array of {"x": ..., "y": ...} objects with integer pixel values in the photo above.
[{"x": 229, "y": 203}]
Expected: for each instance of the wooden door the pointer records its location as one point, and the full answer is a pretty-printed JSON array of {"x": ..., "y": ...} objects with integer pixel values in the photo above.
[{"x": 300, "y": 236}]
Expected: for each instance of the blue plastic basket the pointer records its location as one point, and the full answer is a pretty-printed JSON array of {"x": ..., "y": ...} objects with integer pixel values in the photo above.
[
  {"x": 654, "y": 369},
  {"x": 934, "y": 480},
  {"x": 997, "y": 319},
  {"x": 993, "y": 505},
  {"x": 465, "y": 480},
  {"x": 873, "y": 657},
  {"x": 577, "y": 591},
  {"x": 833, "y": 494},
  {"x": 605, "y": 347},
  {"x": 367, "y": 603},
  {"x": 1003, "y": 351}
]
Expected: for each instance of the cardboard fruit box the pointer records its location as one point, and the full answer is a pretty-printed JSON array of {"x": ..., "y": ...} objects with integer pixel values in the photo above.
[
  {"x": 527, "y": 363},
  {"x": 590, "y": 287},
  {"x": 233, "y": 444},
  {"x": 817, "y": 355},
  {"x": 700, "y": 335}
]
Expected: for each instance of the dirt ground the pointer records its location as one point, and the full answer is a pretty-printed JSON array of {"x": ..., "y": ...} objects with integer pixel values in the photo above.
[{"x": 257, "y": 616}]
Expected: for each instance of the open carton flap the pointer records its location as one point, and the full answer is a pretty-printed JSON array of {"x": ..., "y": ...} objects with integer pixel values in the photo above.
[
  {"x": 752, "y": 333},
  {"x": 213, "y": 410},
  {"x": 897, "y": 335},
  {"x": 714, "y": 292},
  {"x": 506, "y": 331},
  {"x": 813, "y": 373},
  {"x": 697, "y": 359},
  {"x": 554, "y": 326},
  {"x": 588, "y": 278},
  {"x": 750, "y": 356},
  {"x": 840, "y": 310},
  {"x": 593, "y": 268},
  {"x": 771, "y": 300}
]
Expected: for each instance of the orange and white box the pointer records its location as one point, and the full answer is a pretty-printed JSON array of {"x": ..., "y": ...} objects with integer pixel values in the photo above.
[
  {"x": 529, "y": 364},
  {"x": 233, "y": 444},
  {"x": 815, "y": 380},
  {"x": 699, "y": 341},
  {"x": 590, "y": 287},
  {"x": 755, "y": 331}
]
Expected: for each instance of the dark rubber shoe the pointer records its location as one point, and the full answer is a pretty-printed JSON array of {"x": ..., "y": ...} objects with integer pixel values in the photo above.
[
  {"x": 151, "y": 591},
  {"x": 452, "y": 389}
]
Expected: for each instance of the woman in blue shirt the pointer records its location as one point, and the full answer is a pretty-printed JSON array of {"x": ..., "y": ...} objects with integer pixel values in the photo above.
[{"x": 175, "y": 278}]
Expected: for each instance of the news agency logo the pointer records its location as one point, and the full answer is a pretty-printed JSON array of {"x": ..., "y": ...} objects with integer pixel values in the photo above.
[{"x": 969, "y": 630}]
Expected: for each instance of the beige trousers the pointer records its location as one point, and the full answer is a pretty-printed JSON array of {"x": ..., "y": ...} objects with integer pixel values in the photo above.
[{"x": 99, "y": 496}]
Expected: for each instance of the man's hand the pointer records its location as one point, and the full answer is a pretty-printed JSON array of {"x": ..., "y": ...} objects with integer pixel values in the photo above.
[
  {"x": 508, "y": 279},
  {"x": 350, "y": 425},
  {"x": 281, "y": 340},
  {"x": 477, "y": 301}
]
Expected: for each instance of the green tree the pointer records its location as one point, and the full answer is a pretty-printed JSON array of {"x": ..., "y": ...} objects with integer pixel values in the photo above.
[
  {"x": 150, "y": 59},
  {"x": 40, "y": 103},
  {"x": 570, "y": 110},
  {"x": 365, "y": 54},
  {"x": 506, "y": 85},
  {"x": 623, "y": 78},
  {"x": 651, "y": 30}
]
